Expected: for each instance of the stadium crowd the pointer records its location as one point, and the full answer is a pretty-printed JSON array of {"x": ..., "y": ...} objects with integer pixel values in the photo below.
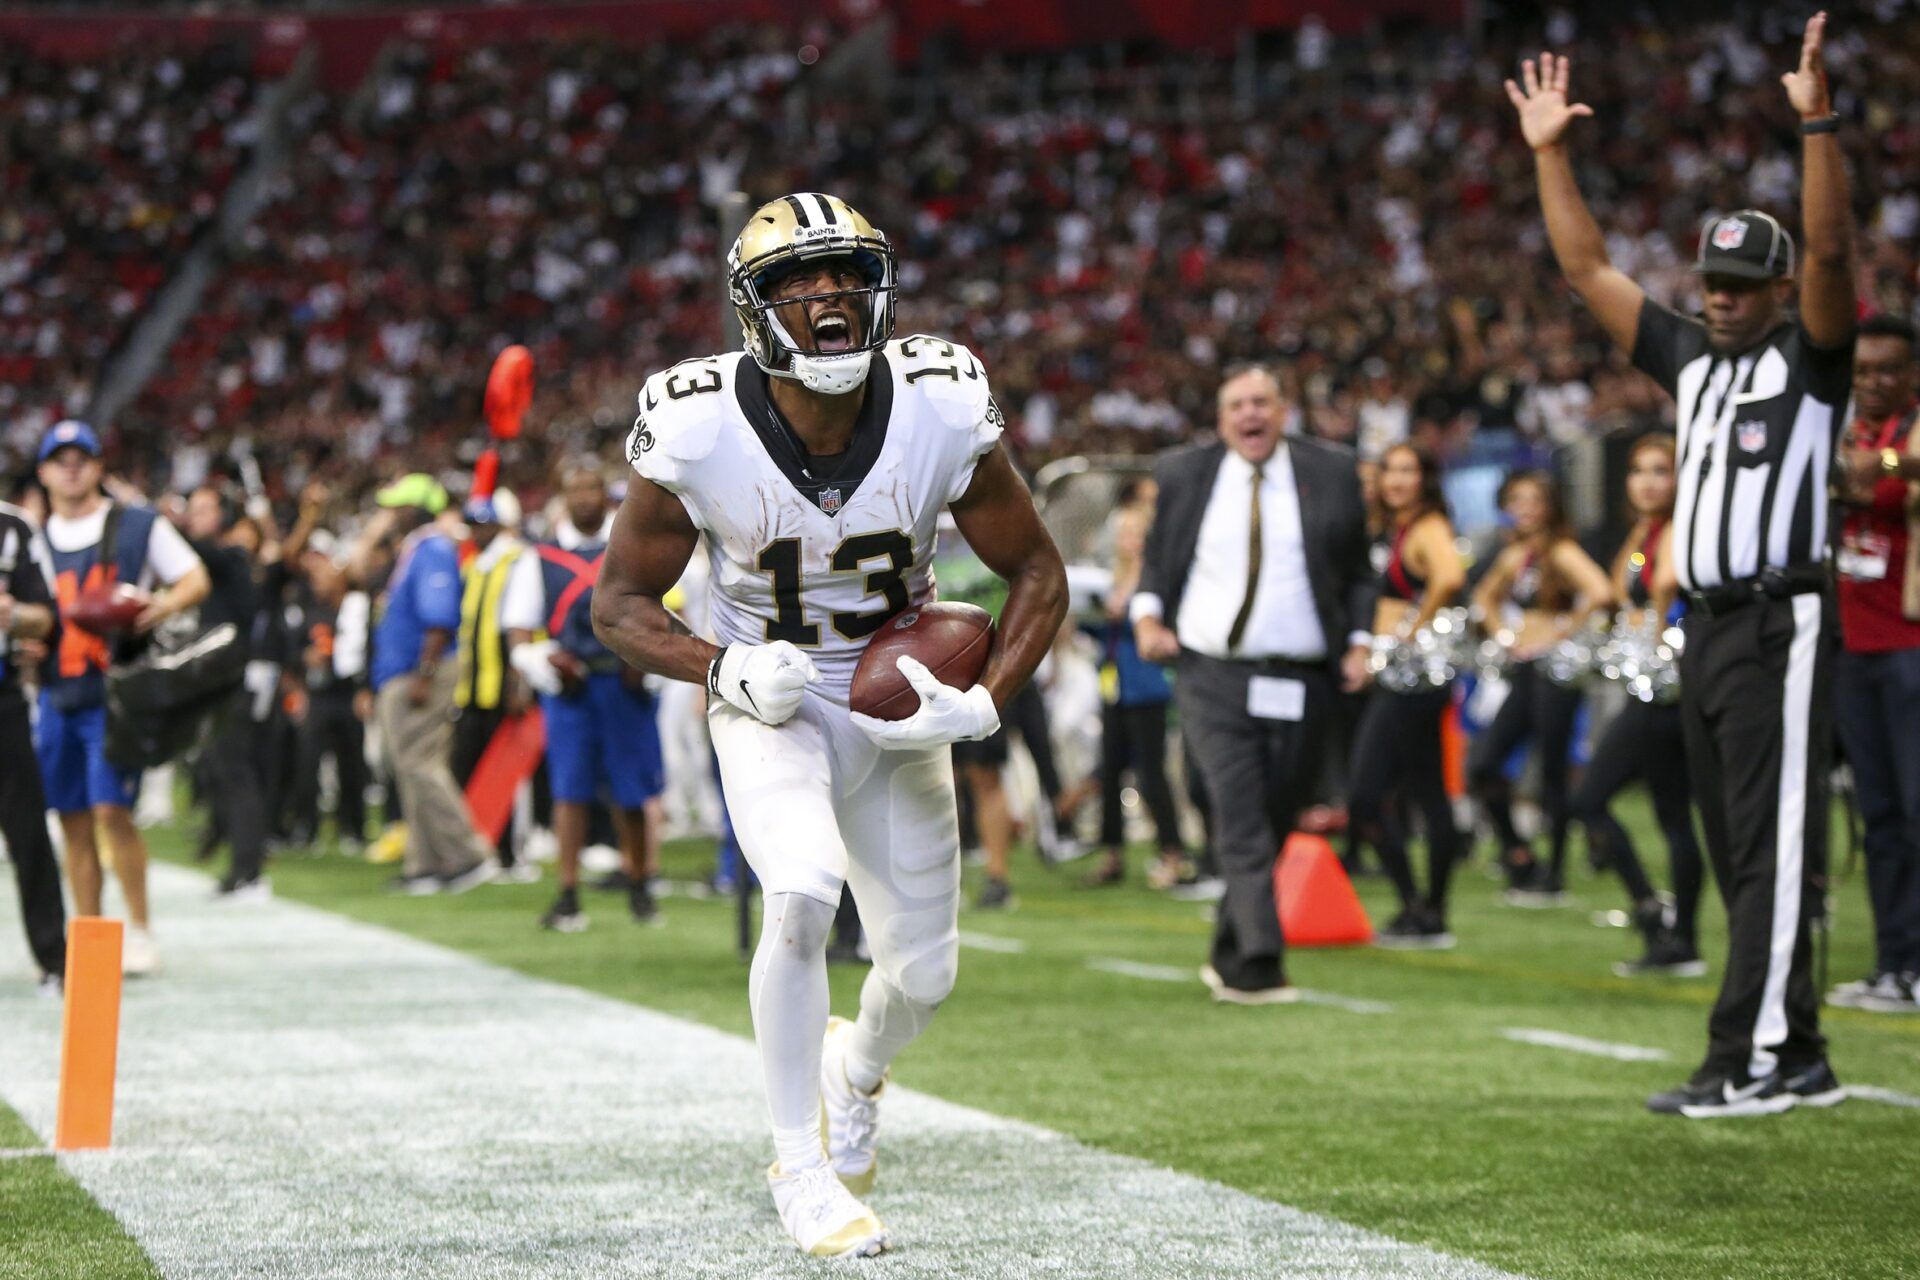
[
  {"x": 1110, "y": 230},
  {"x": 1151, "y": 218}
]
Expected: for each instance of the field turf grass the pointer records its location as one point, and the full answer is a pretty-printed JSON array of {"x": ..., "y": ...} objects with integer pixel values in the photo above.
[{"x": 1423, "y": 1122}]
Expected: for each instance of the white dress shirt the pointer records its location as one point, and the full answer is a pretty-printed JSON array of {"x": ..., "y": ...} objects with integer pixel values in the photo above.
[{"x": 1284, "y": 622}]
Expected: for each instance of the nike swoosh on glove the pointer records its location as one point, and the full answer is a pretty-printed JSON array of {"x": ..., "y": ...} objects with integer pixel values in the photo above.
[
  {"x": 531, "y": 661},
  {"x": 946, "y": 714},
  {"x": 763, "y": 680}
]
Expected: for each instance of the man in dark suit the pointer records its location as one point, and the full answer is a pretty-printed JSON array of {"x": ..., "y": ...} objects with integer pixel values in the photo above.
[{"x": 1256, "y": 585}]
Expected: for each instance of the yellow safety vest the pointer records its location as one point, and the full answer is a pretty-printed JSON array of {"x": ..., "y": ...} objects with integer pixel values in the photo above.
[{"x": 483, "y": 647}]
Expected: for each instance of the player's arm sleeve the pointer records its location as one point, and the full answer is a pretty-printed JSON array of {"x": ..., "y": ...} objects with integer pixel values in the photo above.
[
  {"x": 1665, "y": 342},
  {"x": 524, "y": 602},
  {"x": 168, "y": 554}
]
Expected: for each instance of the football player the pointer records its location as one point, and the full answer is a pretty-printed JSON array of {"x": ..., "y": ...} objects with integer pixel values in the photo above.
[{"x": 817, "y": 463}]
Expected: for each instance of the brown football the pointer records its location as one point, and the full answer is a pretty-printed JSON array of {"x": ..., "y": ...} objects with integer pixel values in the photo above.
[
  {"x": 108, "y": 609},
  {"x": 953, "y": 640}
]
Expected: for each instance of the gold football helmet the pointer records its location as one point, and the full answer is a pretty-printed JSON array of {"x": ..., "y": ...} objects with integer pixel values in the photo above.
[{"x": 784, "y": 233}]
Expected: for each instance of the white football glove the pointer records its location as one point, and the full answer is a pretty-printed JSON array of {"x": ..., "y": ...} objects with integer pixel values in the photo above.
[
  {"x": 763, "y": 680},
  {"x": 946, "y": 714},
  {"x": 531, "y": 660}
]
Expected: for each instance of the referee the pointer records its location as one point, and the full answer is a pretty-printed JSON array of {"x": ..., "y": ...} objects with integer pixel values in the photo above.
[
  {"x": 1759, "y": 395},
  {"x": 27, "y": 613}
]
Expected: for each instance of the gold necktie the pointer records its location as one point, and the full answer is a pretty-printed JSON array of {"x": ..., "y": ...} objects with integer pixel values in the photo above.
[{"x": 1253, "y": 568}]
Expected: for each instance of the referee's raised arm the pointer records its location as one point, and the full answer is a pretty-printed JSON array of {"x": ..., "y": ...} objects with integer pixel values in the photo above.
[
  {"x": 1827, "y": 307},
  {"x": 1578, "y": 245}
]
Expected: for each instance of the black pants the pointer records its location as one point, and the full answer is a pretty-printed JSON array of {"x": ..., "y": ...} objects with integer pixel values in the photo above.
[
  {"x": 1397, "y": 758},
  {"x": 1543, "y": 712},
  {"x": 1756, "y": 704},
  {"x": 235, "y": 787},
  {"x": 23, "y": 822},
  {"x": 1877, "y": 698},
  {"x": 472, "y": 731},
  {"x": 1027, "y": 716},
  {"x": 332, "y": 729},
  {"x": 1645, "y": 741},
  {"x": 1259, "y": 773},
  {"x": 1136, "y": 738}
]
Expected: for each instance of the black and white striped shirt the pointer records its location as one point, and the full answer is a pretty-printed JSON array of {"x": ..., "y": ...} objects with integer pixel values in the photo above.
[
  {"x": 1756, "y": 434},
  {"x": 26, "y": 574}
]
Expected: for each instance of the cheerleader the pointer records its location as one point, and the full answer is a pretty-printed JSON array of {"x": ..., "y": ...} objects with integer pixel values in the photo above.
[
  {"x": 1396, "y": 750},
  {"x": 1541, "y": 588},
  {"x": 1644, "y": 741}
]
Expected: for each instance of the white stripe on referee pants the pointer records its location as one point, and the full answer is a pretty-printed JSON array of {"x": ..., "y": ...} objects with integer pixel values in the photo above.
[{"x": 1790, "y": 829}]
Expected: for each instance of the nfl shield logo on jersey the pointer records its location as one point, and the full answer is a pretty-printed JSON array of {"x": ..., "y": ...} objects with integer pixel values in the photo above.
[
  {"x": 829, "y": 500},
  {"x": 1752, "y": 435},
  {"x": 1730, "y": 234}
]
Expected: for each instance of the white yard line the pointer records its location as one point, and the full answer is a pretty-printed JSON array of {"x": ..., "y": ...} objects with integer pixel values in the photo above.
[
  {"x": 992, "y": 942},
  {"x": 1147, "y": 972},
  {"x": 1174, "y": 973},
  {"x": 1352, "y": 1004},
  {"x": 301, "y": 1095},
  {"x": 1581, "y": 1044},
  {"x": 1874, "y": 1093}
]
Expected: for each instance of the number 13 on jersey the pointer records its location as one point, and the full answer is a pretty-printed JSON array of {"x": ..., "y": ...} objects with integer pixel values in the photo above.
[{"x": 856, "y": 554}]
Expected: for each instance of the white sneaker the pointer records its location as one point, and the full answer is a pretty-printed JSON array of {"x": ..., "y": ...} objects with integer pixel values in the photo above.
[
  {"x": 823, "y": 1217},
  {"x": 138, "y": 955},
  {"x": 849, "y": 1119}
]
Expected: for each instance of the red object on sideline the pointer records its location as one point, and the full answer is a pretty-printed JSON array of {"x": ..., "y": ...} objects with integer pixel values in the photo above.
[
  {"x": 1318, "y": 907},
  {"x": 509, "y": 760},
  {"x": 509, "y": 392}
]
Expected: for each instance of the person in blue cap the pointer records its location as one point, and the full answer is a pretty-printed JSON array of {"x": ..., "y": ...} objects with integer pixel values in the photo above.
[{"x": 93, "y": 541}]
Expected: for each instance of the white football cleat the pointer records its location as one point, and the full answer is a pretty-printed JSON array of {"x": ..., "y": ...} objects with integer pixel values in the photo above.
[
  {"x": 823, "y": 1217},
  {"x": 138, "y": 954},
  {"x": 849, "y": 1119}
]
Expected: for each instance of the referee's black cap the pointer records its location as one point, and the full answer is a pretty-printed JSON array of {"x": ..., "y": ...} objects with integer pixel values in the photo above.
[{"x": 1748, "y": 244}]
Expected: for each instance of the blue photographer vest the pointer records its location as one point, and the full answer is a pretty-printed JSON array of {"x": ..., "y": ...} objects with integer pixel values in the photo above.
[{"x": 77, "y": 676}]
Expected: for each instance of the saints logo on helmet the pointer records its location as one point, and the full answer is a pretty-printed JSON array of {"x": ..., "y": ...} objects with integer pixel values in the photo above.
[{"x": 784, "y": 235}]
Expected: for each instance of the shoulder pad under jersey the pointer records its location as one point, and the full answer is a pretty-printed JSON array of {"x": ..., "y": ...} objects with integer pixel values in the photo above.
[
  {"x": 682, "y": 410},
  {"x": 949, "y": 378}
]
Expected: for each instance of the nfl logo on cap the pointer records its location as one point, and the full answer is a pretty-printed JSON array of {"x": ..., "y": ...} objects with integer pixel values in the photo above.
[
  {"x": 1730, "y": 234},
  {"x": 829, "y": 500}
]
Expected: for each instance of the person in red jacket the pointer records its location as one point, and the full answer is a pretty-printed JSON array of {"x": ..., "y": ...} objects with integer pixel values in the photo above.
[{"x": 1877, "y": 682}]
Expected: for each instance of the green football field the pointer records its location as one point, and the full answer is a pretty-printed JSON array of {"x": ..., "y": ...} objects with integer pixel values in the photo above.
[{"x": 1404, "y": 1103}]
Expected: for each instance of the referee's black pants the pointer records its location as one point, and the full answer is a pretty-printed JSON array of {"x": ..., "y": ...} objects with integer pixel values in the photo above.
[
  {"x": 23, "y": 823},
  {"x": 1756, "y": 708},
  {"x": 1259, "y": 773}
]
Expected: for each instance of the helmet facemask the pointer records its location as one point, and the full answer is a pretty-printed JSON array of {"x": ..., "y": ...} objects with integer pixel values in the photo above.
[{"x": 765, "y": 319}]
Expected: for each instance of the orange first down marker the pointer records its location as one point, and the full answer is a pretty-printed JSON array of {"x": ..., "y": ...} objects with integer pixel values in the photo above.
[{"x": 89, "y": 1036}]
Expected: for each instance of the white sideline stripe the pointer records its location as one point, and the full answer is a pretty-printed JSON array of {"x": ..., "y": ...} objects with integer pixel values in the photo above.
[
  {"x": 1580, "y": 1044},
  {"x": 23, "y": 1153},
  {"x": 1874, "y": 1093},
  {"x": 992, "y": 942},
  {"x": 1149, "y": 972},
  {"x": 1173, "y": 973},
  {"x": 1352, "y": 1004},
  {"x": 304, "y": 1095}
]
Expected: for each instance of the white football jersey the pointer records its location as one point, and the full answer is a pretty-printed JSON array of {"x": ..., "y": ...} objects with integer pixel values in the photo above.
[{"x": 821, "y": 560}]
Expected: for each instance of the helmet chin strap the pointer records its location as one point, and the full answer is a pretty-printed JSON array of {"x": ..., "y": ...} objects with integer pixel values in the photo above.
[{"x": 830, "y": 375}]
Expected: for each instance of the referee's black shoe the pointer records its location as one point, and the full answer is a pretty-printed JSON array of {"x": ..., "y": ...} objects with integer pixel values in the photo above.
[
  {"x": 1706, "y": 1097},
  {"x": 1816, "y": 1086}
]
